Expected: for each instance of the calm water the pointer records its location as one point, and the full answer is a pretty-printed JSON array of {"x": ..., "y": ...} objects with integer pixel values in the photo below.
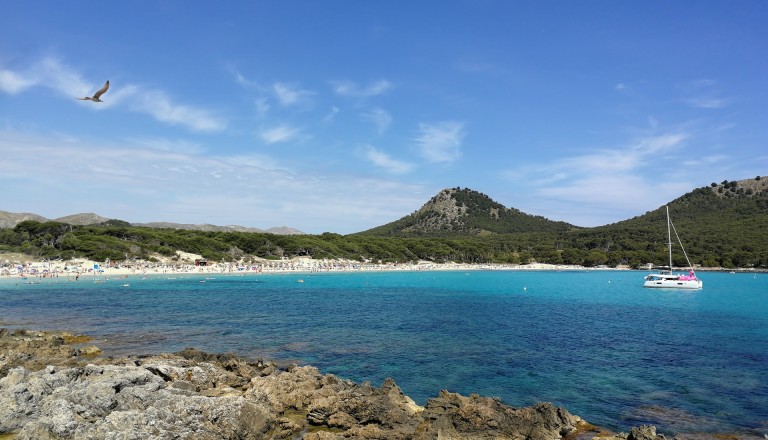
[{"x": 594, "y": 342}]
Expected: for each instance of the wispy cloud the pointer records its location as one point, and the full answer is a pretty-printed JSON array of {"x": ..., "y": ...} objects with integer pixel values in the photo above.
[
  {"x": 169, "y": 145},
  {"x": 242, "y": 80},
  {"x": 170, "y": 184},
  {"x": 643, "y": 152},
  {"x": 706, "y": 102},
  {"x": 13, "y": 83},
  {"x": 383, "y": 160},
  {"x": 714, "y": 159},
  {"x": 331, "y": 115},
  {"x": 657, "y": 143},
  {"x": 160, "y": 106},
  {"x": 702, "y": 93},
  {"x": 280, "y": 133},
  {"x": 353, "y": 90},
  {"x": 54, "y": 74},
  {"x": 50, "y": 73},
  {"x": 262, "y": 107},
  {"x": 288, "y": 95},
  {"x": 379, "y": 117},
  {"x": 261, "y": 102},
  {"x": 607, "y": 183},
  {"x": 440, "y": 142}
]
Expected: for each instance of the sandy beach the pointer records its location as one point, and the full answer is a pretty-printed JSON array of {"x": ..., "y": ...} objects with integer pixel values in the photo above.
[
  {"x": 187, "y": 263},
  {"x": 190, "y": 264}
]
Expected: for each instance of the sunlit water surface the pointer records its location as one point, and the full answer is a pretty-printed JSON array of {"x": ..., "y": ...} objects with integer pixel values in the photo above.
[{"x": 594, "y": 342}]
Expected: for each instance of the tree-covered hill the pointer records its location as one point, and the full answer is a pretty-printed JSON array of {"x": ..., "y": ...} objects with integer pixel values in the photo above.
[
  {"x": 722, "y": 225},
  {"x": 460, "y": 212}
]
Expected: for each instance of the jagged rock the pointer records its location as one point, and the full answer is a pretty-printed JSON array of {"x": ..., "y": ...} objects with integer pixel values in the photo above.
[
  {"x": 476, "y": 417},
  {"x": 644, "y": 432},
  {"x": 196, "y": 395},
  {"x": 38, "y": 349},
  {"x": 101, "y": 400}
]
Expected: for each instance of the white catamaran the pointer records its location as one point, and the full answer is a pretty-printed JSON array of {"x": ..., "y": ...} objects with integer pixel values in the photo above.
[{"x": 665, "y": 278}]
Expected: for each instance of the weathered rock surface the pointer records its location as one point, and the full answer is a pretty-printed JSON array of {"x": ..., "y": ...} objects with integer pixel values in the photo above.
[{"x": 50, "y": 389}]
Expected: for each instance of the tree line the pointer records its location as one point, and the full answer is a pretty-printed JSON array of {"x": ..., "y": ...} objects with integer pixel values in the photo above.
[
  {"x": 721, "y": 226},
  {"x": 743, "y": 244}
]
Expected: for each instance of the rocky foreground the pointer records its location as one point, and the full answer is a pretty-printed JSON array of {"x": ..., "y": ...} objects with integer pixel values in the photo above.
[{"x": 53, "y": 385}]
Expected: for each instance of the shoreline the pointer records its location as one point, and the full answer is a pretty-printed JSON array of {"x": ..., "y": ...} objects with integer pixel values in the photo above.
[
  {"x": 296, "y": 265},
  {"x": 194, "y": 394},
  {"x": 88, "y": 268},
  {"x": 54, "y": 385}
]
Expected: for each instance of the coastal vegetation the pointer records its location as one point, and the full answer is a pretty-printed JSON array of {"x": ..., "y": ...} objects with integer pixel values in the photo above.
[{"x": 722, "y": 225}]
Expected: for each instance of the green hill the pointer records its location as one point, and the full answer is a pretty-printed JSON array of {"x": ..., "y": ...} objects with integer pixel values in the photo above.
[
  {"x": 464, "y": 212},
  {"x": 724, "y": 225}
]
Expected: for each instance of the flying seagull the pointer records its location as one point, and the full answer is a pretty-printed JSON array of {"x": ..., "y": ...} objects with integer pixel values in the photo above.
[{"x": 97, "y": 95}]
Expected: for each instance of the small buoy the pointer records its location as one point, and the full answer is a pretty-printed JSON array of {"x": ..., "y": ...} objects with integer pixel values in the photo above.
[{"x": 525, "y": 288}]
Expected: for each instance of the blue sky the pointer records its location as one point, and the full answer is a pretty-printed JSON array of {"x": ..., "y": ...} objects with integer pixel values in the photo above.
[{"x": 340, "y": 116}]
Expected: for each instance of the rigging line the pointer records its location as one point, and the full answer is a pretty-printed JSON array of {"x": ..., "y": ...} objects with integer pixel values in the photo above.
[{"x": 681, "y": 245}]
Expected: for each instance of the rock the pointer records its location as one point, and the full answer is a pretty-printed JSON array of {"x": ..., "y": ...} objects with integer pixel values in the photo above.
[
  {"x": 460, "y": 417},
  {"x": 50, "y": 390},
  {"x": 90, "y": 350},
  {"x": 35, "y": 350},
  {"x": 100, "y": 401},
  {"x": 644, "y": 432}
]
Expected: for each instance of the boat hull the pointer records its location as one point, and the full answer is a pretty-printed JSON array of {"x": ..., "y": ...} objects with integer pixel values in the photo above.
[{"x": 673, "y": 284}]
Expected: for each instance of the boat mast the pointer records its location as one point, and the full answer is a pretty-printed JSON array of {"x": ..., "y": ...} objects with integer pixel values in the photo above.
[{"x": 669, "y": 239}]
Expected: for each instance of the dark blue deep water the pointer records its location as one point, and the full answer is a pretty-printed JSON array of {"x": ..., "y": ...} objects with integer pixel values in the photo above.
[{"x": 594, "y": 342}]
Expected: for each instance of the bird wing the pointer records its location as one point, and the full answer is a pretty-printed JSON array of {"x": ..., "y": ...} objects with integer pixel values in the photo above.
[{"x": 102, "y": 90}]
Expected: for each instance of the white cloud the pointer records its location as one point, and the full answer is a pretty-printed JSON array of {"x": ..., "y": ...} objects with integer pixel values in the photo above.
[
  {"x": 53, "y": 74},
  {"x": 440, "y": 142},
  {"x": 612, "y": 184},
  {"x": 13, "y": 83},
  {"x": 50, "y": 73},
  {"x": 653, "y": 144},
  {"x": 242, "y": 80},
  {"x": 351, "y": 89},
  {"x": 380, "y": 118},
  {"x": 161, "y": 107},
  {"x": 714, "y": 159},
  {"x": 288, "y": 95},
  {"x": 280, "y": 133},
  {"x": 383, "y": 160},
  {"x": 169, "y": 145},
  {"x": 331, "y": 115},
  {"x": 646, "y": 152},
  {"x": 261, "y": 102},
  {"x": 139, "y": 182}
]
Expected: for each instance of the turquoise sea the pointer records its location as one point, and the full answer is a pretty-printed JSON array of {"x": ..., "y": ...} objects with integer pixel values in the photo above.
[{"x": 595, "y": 342}]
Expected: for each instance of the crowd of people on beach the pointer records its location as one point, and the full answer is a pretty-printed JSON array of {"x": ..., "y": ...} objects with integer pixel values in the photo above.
[{"x": 79, "y": 268}]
